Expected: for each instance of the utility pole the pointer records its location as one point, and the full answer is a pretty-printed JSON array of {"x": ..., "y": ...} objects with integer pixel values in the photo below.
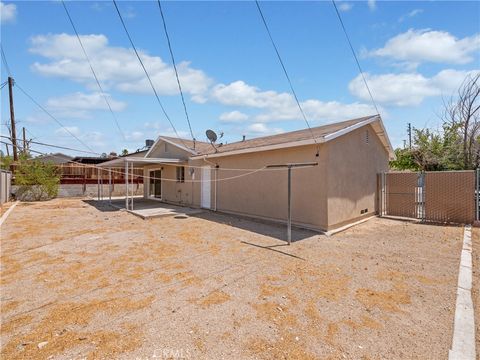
[
  {"x": 404, "y": 144},
  {"x": 409, "y": 132},
  {"x": 24, "y": 142},
  {"x": 12, "y": 120}
]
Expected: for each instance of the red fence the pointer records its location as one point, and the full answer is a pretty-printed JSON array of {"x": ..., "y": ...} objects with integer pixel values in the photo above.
[{"x": 90, "y": 174}]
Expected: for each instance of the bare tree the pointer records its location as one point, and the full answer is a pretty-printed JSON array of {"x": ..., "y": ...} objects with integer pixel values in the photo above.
[{"x": 462, "y": 115}]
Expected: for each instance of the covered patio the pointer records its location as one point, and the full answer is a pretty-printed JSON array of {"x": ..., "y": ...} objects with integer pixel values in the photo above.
[{"x": 150, "y": 204}]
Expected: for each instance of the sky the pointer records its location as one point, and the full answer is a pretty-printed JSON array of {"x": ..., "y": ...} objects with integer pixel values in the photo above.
[{"x": 414, "y": 54}]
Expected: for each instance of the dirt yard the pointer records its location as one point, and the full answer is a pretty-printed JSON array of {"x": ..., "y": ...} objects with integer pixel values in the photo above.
[{"x": 79, "y": 281}]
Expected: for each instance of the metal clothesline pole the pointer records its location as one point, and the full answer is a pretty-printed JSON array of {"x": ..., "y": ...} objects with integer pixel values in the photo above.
[{"x": 289, "y": 192}]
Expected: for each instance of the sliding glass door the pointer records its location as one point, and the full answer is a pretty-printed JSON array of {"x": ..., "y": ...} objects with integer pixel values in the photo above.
[{"x": 155, "y": 184}]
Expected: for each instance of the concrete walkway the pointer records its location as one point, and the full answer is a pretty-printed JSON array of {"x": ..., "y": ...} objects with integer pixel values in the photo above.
[
  {"x": 463, "y": 344},
  {"x": 147, "y": 209}
]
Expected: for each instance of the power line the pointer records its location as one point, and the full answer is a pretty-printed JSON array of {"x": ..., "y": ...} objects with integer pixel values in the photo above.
[
  {"x": 4, "y": 60},
  {"x": 285, "y": 72},
  {"x": 249, "y": 171},
  {"x": 146, "y": 73},
  {"x": 51, "y": 145},
  {"x": 176, "y": 72},
  {"x": 93, "y": 71},
  {"x": 53, "y": 117},
  {"x": 355, "y": 55},
  {"x": 253, "y": 171}
]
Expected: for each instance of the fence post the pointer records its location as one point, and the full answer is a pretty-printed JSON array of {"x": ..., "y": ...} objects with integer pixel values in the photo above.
[
  {"x": 384, "y": 193},
  {"x": 422, "y": 176},
  {"x": 477, "y": 195}
]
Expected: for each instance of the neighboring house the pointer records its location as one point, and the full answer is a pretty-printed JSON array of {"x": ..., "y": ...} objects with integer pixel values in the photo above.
[
  {"x": 57, "y": 158},
  {"x": 340, "y": 190},
  {"x": 90, "y": 159}
]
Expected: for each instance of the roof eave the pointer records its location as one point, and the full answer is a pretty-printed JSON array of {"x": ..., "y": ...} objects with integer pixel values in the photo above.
[{"x": 318, "y": 140}]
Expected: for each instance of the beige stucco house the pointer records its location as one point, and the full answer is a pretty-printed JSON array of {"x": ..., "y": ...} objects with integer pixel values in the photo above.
[{"x": 233, "y": 178}]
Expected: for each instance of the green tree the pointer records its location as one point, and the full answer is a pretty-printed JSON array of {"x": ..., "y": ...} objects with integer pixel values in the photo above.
[
  {"x": 36, "y": 180},
  {"x": 457, "y": 145},
  {"x": 404, "y": 160},
  {"x": 124, "y": 152},
  {"x": 5, "y": 162}
]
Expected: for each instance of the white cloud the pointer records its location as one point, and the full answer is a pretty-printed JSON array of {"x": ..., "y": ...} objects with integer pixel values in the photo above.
[
  {"x": 94, "y": 139},
  {"x": 257, "y": 129},
  {"x": 116, "y": 67},
  {"x": 240, "y": 93},
  {"x": 344, "y": 6},
  {"x": 156, "y": 128},
  {"x": 135, "y": 136},
  {"x": 8, "y": 12},
  {"x": 372, "y": 4},
  {"x": 407, "y": 89},
  {"x": 417, "y": 46},
  {"x": 282, "y": 106},
  {"x": 80, "y": 105},
  {"x": 233, "y": 116},
  {"x": 67, "y": 131},
  {"x": 411, "y": 14}
]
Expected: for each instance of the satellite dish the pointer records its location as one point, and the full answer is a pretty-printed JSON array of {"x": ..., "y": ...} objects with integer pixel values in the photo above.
[{"x": 211, "y": 135}]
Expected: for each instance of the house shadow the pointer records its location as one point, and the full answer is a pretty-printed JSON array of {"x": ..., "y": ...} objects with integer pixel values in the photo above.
[
  {"x": 258, "y": 226},
  {"x": 102, "y": 206}
]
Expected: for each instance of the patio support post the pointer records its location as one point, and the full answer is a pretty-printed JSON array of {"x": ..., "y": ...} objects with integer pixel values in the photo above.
[
  {"x": 110, "y": 185},
  {"x": 126, "y": 184},
  {"x": 98, "y": 184},
  {"x": 132, "y": 189}
]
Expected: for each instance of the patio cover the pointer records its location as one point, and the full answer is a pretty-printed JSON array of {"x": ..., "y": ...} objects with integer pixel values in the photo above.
[
  {"x": 129, "y": 162},
  {"x": 138, "y": 161}
]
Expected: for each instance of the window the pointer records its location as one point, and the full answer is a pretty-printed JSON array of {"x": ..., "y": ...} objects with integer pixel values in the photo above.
[
  {"x": 165, "y": 147},
  {"x": 181, "y": 174}
]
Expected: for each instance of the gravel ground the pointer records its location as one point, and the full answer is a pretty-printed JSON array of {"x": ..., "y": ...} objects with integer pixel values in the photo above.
[
  {"x": 85, "y": 281},
  {"x": 5, "y": 206}
]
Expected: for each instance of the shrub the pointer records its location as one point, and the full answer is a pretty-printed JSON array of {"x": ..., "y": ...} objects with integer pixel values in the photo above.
[{"x": 36, "y": 180}]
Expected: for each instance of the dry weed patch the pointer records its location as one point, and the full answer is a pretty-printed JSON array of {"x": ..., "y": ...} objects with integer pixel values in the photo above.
[{"x": 64, "y": 328}]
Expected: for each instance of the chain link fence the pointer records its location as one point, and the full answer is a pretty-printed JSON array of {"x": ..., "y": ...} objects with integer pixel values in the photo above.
[{"x": 441, "y": 196}]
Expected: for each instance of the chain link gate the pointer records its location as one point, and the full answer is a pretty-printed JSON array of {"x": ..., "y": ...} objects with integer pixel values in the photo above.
[{"x": 442, "y": 196}]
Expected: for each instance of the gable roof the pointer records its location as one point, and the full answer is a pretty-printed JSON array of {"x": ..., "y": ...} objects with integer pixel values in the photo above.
[
  {"x": 184, "y": 144},
  {"x": 289, "y": 139},
  {"x": 55, "y": 158},
  {"x": 303, "y": 137}
]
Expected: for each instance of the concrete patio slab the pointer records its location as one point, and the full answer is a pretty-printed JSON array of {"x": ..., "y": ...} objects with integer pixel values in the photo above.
[{"x": 147, "y": 209}]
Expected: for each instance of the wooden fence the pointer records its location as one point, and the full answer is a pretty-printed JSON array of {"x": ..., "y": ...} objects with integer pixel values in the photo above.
[{"x": 90, "y": 174}]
